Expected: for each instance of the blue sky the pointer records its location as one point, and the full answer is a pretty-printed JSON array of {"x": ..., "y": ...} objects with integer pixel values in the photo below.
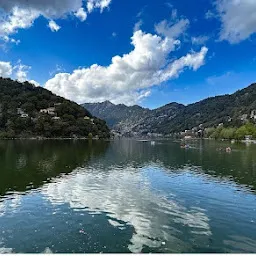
[{"x": 163, "y": 51}]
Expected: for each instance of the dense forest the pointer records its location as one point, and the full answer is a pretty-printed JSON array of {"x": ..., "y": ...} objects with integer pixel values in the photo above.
[
  {"x": 29, "y": 111},
  {"x": 231, "y": 110}
]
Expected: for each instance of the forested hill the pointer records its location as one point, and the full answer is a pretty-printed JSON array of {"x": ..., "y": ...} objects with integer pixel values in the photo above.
[
  {"x": 29, "y": 111},
  {"x": 114, "y": 114},
  {"x": 228, "y": 110}
]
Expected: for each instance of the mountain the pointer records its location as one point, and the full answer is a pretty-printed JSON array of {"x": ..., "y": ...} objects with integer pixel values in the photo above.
[
  {"x": 113, "y": 114},
  {"x": 29, "y": 111},
  {"x": 228, "y": 110}
]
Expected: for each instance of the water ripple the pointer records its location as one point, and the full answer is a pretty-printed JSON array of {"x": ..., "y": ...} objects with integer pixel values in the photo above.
[{"x": 127, "y": 197}]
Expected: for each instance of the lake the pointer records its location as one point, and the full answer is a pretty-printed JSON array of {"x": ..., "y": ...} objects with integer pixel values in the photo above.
[{"x": 127, "y": 196}]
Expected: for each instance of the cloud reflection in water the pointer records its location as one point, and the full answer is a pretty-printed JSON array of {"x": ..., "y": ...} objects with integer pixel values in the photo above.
[{"x": 128, "y": 197}]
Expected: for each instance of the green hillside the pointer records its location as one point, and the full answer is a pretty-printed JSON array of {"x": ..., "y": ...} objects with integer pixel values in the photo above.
[
  {"x": 228, "y": 111},
  {"x": 29, "y": 111}
]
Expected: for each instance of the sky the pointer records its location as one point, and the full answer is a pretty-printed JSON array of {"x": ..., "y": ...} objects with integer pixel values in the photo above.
[{"x": 145, "y": 52}]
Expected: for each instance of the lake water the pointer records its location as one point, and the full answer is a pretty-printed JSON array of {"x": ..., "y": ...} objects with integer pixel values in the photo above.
[{"x": 126, "y": 196}]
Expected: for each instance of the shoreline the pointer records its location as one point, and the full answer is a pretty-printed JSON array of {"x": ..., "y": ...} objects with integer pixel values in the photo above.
[
  {"x": 129, "y": 138},
  {"x": 65, "y": 138}
]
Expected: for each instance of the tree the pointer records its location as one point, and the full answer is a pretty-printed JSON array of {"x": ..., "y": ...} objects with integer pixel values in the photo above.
[
  {"x": 227, "y": 133},
  {"x": 32, "y": 99},
  {"x": 241, "y": 132}
]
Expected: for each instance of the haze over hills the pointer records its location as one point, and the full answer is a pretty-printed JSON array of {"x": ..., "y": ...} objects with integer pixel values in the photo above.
[{"x": 230, "y": 110}]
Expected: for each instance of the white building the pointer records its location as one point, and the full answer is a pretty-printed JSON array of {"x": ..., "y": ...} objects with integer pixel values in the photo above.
[
  {"x": 49, "y": 111},
  {"x": 56, "y": 118},
  {"x": 253, "y": 114}
]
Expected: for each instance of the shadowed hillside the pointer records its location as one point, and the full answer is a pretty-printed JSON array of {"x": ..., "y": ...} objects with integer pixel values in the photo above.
[{"x": 29, "y": 111}]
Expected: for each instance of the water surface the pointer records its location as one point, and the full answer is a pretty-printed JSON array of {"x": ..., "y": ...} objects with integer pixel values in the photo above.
[{"x": 126, "y": 196}]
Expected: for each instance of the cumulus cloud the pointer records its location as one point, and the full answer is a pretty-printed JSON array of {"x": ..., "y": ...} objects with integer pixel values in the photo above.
[
  {"x": 238, "y": 19},
  {"x": 81, "y": 14},
  {"x": 21, "y": 72},
  {"x": 48, "y": 8},
  {"x": 21, "y": 14},
  {"x": 101, "y": 4},
  {"x": 35, "y": 83},
  {"x": 18, "y": 71},
  {"x": 128, "y": 78},
  {"x": 5, "y": 69},
  {"x": 54, "y": 27},
  {"x": 18, "y": 18}
]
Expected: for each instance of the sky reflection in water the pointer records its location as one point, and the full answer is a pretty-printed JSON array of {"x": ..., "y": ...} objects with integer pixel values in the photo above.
[{"x": 127, "y": 196}]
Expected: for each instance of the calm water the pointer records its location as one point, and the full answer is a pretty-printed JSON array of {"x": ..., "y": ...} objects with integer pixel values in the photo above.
[{"x": 126, "y": 196}]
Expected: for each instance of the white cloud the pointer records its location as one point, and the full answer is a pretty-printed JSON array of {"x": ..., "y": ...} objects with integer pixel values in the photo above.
[
  {"x": 21, "y": 71},
  {"x": 114, "y": 34},
  {"x": 48, "y": 8},
  {"x": 81, "y": 14},
  {"x": 35, "y": 83},
  {"x": 138, "y": 25},
  {"x": 8, "y": 39},
  {"x": 5, "y": 69},
  {"x": 101, "y": 4},
  {"x": 238, "y": 19},
  {"x": 18, "y": 18},
  {"x": 129, "y": 77},
  {"x": 173, "y": 28},
  {"x": 90, "y": 6},
  {"x": 21, "y": 14},
  {"x": 54, "y": 27},
  {"x": 200, "y": 40},
  {"x": 18, "y": 72}
]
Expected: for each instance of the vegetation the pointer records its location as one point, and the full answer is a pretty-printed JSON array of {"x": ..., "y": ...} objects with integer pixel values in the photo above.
[
  {"x": 226, "y": 109},
  {"x": 114, "y": 114},
  {"x": 230, "y": 110},
  {"x": 29, "y": 111},
  {"x": 249, "y": 129}
]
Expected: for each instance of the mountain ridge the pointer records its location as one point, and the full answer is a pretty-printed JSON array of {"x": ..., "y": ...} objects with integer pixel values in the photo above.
[{"x": 229, "y": 109}]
